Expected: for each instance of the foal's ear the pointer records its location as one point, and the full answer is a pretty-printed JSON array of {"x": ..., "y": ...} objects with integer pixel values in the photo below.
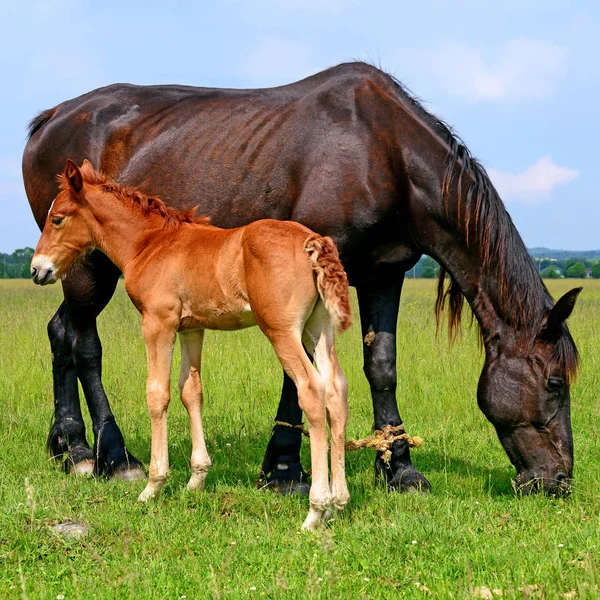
[
  {"x": 73, "y": 176},
  {"x": 88, "y": 170},
  {"x": 560, "y": 312}
]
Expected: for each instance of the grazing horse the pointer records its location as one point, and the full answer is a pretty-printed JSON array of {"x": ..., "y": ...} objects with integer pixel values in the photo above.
[
  {"x": 350, "y": 154},
  {"x": 184, "y": 276}
]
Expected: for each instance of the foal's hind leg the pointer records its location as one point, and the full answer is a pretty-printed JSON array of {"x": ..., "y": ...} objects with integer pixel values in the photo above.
[
  {"x": 190, "y": 386},
  {"x": 319, "y": 334},
  {"x": 311, "y": 395}
]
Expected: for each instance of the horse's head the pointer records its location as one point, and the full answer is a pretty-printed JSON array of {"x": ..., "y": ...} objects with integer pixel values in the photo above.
[
  {"x": 66, "y": 234},
  {"x": 524, "y": 392}
]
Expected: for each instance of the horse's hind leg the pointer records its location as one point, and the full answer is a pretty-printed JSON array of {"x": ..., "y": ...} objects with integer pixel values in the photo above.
[
  {"x": 379, "y": 304},
  {"x": 87, "y": 290},
  {"x": 281, "y": 464},
  {"x": 311, "y": 396},
  {"x": 319, "y": 335},
  {"x": 190, "y": 386}
]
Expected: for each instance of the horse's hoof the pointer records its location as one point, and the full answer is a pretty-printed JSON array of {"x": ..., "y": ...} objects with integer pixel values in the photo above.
[
  {"x": 286, "y": 487},
  {"x": 406, "y": 480},
  {"x": 84, "y": 467},
  {"x": 123, "y": 466},
  {"x": 133, "y": 474}
]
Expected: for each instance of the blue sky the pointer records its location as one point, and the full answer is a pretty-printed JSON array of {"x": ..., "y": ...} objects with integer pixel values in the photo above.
[{"x": 518, "y": 79}]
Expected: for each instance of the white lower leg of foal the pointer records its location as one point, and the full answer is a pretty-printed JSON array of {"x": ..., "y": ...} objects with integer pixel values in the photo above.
[
  {"x": 337, "y": 414},
  {"x": 320, "y": 494},
  {"x": 159, "y": 349},
  {"x": 190, "y": 386},
  {"x": 336, "y": 401},
  {"x": 311, "y": 397},
  {"x": 159, "y": 461}
]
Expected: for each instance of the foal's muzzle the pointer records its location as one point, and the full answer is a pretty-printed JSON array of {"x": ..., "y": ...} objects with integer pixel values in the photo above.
[{"x": 42, "y": 271}]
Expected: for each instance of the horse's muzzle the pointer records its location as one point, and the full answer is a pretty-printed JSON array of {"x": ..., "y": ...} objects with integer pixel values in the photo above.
[{"x": 557, "y": 485}]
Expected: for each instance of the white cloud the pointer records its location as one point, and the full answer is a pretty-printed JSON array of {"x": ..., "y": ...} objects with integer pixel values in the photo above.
[
  {"x": 518, "y": 69},
  {"x": 534, "y": 184},
  {"x": 278, "y": 61}
]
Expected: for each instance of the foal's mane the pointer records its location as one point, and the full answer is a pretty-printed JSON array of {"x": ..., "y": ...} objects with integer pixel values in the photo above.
[
  {"x": 148, "y": 205},
  {"x": 480, "y": 215}
]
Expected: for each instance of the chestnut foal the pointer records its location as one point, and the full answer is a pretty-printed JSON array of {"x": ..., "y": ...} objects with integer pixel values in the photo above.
[{"x": 184, "y": 276}]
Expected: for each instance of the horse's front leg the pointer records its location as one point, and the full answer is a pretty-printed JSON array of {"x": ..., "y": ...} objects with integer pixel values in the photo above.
[
  {"x": 159, "y": 340},
  {"x": 87, "y": 290},
  {"x": 67, "y": 435},
  {"x": 379, "y": 306}
]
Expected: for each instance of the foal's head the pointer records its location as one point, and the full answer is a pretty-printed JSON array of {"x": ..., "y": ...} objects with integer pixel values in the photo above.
[{"x": 67, "y": 233}]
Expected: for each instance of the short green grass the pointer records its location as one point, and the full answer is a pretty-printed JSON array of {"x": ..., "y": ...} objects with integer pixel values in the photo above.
[{"x": 234, "y": 540}]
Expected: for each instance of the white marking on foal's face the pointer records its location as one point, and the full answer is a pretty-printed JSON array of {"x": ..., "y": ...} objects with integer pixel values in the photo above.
[
  {"x": 44, "y": 265},
  {"x": 50, "y": 209}
]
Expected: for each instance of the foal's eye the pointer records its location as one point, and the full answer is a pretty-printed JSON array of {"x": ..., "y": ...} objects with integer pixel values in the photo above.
[
  {"x": 57, "y": 220},
  {"x": 109, "y": 188},
  {"x": 554, "y": 384}
]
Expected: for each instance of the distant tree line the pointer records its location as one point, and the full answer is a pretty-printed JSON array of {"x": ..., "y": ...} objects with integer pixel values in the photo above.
[
  {"x": 16, "y": 266},
  {"x": 579, "y": 268},
  {"x": 548, "y": 268}
]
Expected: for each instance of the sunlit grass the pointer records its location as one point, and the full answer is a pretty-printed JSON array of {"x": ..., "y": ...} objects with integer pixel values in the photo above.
[{"x": 235, "y": 540}]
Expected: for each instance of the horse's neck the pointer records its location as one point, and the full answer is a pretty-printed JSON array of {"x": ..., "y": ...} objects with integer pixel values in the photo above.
[
  {"x": 506, "y": 291},
  {"x": 461, "y": 222}
]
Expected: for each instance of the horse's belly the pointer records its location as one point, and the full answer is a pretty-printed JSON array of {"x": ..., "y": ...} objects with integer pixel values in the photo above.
[{"x": 237, "y": 317}]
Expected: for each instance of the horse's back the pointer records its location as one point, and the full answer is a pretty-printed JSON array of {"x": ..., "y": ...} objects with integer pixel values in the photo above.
[{"x": 300, "y": 152}]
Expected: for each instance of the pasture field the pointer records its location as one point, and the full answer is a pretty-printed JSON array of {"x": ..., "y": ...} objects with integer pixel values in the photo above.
[{"x": 237, "y": 541}]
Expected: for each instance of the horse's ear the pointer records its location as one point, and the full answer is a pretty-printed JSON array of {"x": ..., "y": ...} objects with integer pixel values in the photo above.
[
  {"x": 88, "y": 170},
  {"x": 560, "y": 312},
  {"x": 73, "y": 176}
]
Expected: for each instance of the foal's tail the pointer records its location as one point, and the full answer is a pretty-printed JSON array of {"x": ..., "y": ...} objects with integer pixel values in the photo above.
[{"x": 332, "y": 281}]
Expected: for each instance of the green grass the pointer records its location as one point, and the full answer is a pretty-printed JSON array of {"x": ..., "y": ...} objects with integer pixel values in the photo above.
[{"x": 236, "y": 541}]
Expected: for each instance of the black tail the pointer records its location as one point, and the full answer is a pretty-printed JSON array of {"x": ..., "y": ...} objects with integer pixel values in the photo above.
[{"x": 38, "y": 122}]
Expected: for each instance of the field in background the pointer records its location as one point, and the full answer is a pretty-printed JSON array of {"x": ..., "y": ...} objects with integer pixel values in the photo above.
[{"x": 234, "y": 540}]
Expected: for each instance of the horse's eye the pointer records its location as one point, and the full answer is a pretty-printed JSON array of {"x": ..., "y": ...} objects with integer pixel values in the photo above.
[
  {"x": 109, "y": 188},
  {"x": 554, "y": 384},
  {"x": 57, "y": 220}
]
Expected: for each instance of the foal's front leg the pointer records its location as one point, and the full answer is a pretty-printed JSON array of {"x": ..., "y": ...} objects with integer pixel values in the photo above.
[{"x": 160, "y": 340}]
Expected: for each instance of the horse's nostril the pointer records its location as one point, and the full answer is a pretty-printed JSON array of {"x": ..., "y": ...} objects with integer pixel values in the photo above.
[
  {"x": 561, "y": 477},
  {"x": 34, "y": 271}
]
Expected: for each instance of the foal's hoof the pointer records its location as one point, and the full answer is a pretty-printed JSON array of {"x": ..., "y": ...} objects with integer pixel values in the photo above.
[
  {"x": 146, "y": 495},
  {"x": 316, "y": 520},
  {"x": 406, "y": 479}
]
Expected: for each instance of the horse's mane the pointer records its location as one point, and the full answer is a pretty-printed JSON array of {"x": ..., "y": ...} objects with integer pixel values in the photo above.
[
  {"x": 149, "y": 205},
  {"x": 481, "y": 216}
]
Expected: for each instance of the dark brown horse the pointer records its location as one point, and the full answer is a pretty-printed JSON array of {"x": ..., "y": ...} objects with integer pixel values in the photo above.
[{"x": 350, "y": 154}]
